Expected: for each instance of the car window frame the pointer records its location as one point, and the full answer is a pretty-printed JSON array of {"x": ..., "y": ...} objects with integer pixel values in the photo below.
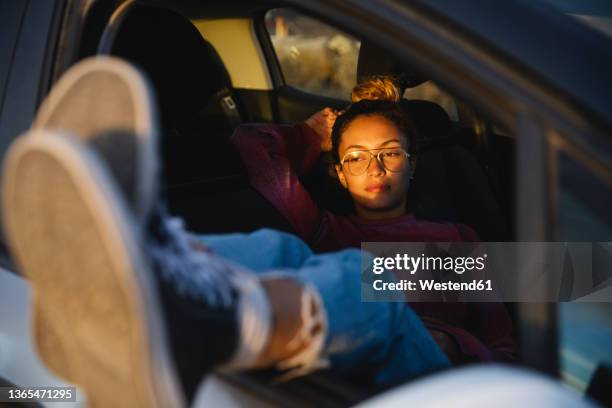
[
  {"x": 10, "y": 36},
  {"x": 34, "y": 57},
  {"x": 267, "y": 48}
]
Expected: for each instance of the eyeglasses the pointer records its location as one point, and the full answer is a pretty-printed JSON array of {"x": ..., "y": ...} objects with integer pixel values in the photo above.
[{"x": 391, "y": 158}]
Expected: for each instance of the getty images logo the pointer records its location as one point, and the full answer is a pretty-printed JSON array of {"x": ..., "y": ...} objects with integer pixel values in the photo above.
[{"x": 412, "y": 264}]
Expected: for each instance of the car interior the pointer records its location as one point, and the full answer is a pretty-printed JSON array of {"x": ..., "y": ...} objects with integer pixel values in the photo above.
[
  {"x": 465, "y": 166},
  {"x": 462, "y": 175},
  {"x": 477, "y": 93}
]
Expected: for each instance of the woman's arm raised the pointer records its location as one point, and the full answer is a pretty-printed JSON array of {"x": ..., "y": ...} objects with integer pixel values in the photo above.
[{"x": 275, "y": 156}]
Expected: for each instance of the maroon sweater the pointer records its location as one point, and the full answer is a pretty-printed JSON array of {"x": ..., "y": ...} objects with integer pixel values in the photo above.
[{"x": 276, "y": 155}]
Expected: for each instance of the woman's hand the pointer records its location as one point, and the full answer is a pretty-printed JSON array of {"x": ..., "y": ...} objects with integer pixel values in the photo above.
[
  {"x": 285, "y": 296},
  {"x": 322, "y": 123}
]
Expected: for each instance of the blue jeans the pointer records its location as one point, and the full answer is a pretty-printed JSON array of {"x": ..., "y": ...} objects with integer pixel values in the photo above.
[{"x": 385, "y": 342}]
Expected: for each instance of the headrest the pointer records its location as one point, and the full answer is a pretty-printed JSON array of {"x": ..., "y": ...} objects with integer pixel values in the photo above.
[
  {"x": 184, "y": 68},
  {"x": 374, "y": 60},
  {"x": 431, "y": 121}
]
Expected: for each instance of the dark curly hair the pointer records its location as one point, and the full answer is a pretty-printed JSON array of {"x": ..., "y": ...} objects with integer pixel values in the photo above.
[{"x": 389, "y": 110}]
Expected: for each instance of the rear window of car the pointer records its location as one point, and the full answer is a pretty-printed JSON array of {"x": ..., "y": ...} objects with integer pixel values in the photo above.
[
  {"x": 317, "y": 58},
  {"x": 313, "y": 56}
]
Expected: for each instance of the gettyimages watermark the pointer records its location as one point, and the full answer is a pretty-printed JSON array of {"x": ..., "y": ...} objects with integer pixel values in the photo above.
[{"x": 487, "y": 272}]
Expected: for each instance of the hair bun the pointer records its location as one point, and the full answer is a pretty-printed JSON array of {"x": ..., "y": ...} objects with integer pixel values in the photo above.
[{"x": 381, "y": 88}]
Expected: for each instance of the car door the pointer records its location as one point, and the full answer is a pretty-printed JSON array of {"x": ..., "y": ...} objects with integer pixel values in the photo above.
[{"x": 29, "y": 31}]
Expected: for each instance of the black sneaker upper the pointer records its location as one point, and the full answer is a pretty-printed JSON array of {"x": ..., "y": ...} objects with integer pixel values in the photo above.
[{"x": 199, "y": 303}]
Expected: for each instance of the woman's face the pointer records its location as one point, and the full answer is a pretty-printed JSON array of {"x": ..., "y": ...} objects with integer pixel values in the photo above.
[{"x": 378, "y": 193}]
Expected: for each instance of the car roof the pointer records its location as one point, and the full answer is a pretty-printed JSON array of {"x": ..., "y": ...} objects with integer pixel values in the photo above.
[{"x": 570, "y": 56}]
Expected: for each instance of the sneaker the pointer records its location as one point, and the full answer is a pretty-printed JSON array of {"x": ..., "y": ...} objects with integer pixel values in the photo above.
[
  {"x": 93, "y": 294},
  {"x": 215, "y": 313},
  {"x": 110, "y": 104},
  {"x": 218, "y": 313}
]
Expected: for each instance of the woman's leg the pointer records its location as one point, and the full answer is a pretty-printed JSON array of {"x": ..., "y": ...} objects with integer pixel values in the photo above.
[
  {"x": 384, "y": 340},
  {"x": 260, "y": 251}
]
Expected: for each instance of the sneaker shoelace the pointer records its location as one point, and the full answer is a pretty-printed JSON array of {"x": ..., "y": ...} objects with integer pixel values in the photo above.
[{"x": 194, "y": 273}]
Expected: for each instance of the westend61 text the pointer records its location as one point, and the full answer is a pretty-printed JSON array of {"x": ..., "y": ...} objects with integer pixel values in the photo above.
[{"x": 431, "y": 285}]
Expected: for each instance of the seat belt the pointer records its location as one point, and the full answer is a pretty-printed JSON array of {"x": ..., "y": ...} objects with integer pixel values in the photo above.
[{"x": 228, "y": 105}]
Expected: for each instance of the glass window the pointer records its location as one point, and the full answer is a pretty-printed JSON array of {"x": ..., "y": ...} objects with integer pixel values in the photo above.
[
  {"x": 585, "y": 329},
  {"x": 313, "y": 56},
  {"x": 317, "y": 58},
  {"x": 584, "y": 203}
]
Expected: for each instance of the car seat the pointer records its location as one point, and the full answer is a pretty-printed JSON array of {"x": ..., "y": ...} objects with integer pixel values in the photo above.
[{"x": 203, "y": 175}]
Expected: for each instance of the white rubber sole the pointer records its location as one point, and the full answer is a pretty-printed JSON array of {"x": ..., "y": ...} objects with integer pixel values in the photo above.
[
  {"x": 102, "y": 94},
  {"x": 97, "y": 316}
]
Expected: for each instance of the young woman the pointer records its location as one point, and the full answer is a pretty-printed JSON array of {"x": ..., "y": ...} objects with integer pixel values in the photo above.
[{"x": 372, "y": 144}]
